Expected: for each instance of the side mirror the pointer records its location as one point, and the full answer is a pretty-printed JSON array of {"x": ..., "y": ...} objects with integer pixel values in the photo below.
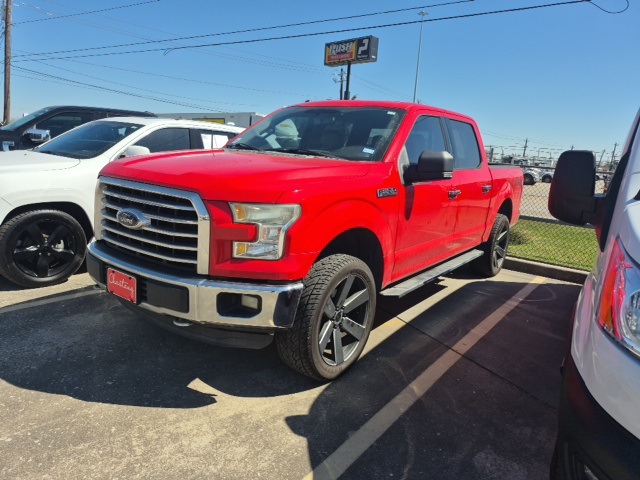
[
  {"x": 38, "y": 136},
  {"x": 135, "y": 150},
  {"x": 572, "y": 196},
  {"x": 431, "y": 166}
]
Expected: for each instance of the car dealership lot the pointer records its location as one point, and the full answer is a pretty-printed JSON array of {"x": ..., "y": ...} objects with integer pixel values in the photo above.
[{"x": 459, "y": 380}]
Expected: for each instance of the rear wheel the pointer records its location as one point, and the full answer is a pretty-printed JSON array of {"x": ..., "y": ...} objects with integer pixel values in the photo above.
[
  {"x": 495, "y": 249},
  {"x": 547, "y": 179},
  {"x": 334, "y": 318},
  {"x": 41, "y": 247}
]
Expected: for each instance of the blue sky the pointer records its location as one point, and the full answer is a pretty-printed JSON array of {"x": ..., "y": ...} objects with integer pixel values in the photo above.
[{"x": 559, "y": 76}]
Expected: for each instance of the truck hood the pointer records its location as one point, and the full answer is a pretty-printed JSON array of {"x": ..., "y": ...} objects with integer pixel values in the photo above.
[
  {"x": 25, "y": 161},
  {"x": 234, "y": 176}
]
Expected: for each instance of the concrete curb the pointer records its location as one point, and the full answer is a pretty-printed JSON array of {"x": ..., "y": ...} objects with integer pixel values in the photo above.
[{"x": 546, "y": 270}]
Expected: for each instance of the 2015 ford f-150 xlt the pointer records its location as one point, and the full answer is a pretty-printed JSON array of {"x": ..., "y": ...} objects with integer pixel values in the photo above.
[{"x": 292, "y": 230}]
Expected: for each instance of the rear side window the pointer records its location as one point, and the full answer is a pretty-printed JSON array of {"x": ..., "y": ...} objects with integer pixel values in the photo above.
[
  {"x": 466, "y": 152},
  {"x": 426, "y": 134},
  {"x": 167, "y": 140},
  {"x": 215, "y": 138},
  {"x": 64, "y": 121}
]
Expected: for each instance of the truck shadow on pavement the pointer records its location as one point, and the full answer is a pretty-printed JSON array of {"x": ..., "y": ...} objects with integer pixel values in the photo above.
[{"x": 492, "y": 415}]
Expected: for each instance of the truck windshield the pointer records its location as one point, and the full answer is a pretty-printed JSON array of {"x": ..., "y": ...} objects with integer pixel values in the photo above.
[
  {"x": 16, "y": 124},
  {"x": 349, "y": 133},
  {"x": 88, "y": 140}
]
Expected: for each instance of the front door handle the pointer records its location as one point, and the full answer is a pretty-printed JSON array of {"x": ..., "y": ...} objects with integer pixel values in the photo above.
[
  {"x": 453, "y": 194},
  {"x": 486, "y": 188}
]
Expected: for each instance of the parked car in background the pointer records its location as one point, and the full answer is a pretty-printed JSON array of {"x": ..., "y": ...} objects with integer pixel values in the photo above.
[
  {"x": 599, "y": 420},
  {"x": 49, "y": 122},
  {"x": 47, "y": 194},
  {"x": 531, "y": 176}
]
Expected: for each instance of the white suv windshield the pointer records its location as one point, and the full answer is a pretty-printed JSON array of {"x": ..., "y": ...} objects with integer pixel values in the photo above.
[
  {"x": 361, "y": 134},
  {"x": 89, "y": 140}
]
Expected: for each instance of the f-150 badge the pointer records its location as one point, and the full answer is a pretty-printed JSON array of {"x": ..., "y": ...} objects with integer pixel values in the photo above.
[{"x": 387, "y": 192}]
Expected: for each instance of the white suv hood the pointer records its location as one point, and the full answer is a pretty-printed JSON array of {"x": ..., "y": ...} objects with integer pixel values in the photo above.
[{"x": 25, "y": 161}]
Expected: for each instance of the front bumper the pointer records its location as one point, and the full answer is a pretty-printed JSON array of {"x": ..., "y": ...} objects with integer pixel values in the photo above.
[
  {"x": 200, "y": 300},
  {"x": 589, "y": 438}
]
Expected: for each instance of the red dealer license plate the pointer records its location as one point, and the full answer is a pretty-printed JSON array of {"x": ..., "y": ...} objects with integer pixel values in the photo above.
[{"x": 122, "y": 285}]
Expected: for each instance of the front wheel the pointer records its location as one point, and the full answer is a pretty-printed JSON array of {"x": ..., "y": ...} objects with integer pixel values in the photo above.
[
  {"x": 495, "y": 249},
  {"x": 333, "y": 320},
  {"x": 41, "y": 247},
  {"x": 528, "y": 179}
]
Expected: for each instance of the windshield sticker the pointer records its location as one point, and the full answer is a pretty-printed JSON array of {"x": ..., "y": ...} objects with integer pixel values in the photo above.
[
  {"x": 391, "y": 113},
  {"x": 370, "y": 151}
]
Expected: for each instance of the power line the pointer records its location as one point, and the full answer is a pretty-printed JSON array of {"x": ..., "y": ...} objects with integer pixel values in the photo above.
[
  {"x": 287, "y": 37},
  {"x": 57, "y": 17},
  {"x": 259, "y": 29},
  {"x": 112, "y": 90}
]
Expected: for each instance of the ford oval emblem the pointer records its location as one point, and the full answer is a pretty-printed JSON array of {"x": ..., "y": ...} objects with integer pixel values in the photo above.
[{"x": 133, "y": 219}]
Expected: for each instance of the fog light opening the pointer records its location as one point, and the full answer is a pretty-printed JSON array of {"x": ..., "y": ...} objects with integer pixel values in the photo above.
[{"x": 238, "y": 305}]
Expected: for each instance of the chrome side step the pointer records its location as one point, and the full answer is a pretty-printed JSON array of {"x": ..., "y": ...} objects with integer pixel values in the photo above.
[{"x": 401, "y": 289}]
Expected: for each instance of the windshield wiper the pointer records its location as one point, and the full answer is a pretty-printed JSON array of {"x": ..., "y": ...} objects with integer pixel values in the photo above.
[
  {"x": 304, "y": 151},
  {"x": 243, "y": 146}
]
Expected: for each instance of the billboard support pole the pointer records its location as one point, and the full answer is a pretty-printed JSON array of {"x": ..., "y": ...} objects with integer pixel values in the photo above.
[{"x": 347, "y": 93}]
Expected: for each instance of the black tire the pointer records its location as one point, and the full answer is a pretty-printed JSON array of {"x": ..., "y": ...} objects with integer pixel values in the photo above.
[
  {"x": 547, "y": 179},
  {"x": 495, "y": 249},
  {"x": 323, "y": 342},
  {"x": 528, "y": 179},
  {"x": 41, "y": 247}
]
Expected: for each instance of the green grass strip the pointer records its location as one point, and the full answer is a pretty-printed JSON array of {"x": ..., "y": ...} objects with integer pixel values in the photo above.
[{"x": 563, "y": 245}]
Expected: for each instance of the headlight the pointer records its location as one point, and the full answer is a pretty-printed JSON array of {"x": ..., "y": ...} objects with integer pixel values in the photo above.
[
  {"x": 619, "y": 309},
  {"x": 272, "y": 221}
]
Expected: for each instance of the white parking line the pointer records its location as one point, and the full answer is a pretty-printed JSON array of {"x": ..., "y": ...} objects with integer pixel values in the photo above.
[
  {"x": 340, "y": 460},
  {"x": 46, "y": 301}
]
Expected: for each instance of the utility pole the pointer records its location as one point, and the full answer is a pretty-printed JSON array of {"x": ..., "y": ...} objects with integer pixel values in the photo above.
[
  {"x": 613, "y": 154},
  {"x": 526, "y": 141},
  {"x": 7, "y": 60},
  {"x": 341, "y": 82},
  {"x": 415, "y": 86},
  {"x": 600, "y": 161}
]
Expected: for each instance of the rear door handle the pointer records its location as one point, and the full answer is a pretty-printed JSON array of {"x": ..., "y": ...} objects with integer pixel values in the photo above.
[
  {"x": 486, "y": 188},
  {"x": 453, "y": 194}
]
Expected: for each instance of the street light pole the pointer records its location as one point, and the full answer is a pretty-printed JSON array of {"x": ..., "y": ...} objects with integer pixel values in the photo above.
[{"x": 415, "y": 87}]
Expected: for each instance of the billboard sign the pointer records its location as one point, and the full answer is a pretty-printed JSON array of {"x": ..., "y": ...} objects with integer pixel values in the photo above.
[{"x": 356, "y": 50}]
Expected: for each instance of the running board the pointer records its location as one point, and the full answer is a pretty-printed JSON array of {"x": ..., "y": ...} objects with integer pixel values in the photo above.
[{"x": 401, "y": 289}]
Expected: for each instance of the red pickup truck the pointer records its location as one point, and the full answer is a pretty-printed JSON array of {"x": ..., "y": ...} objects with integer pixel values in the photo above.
[{"x": 293, "y": 229}]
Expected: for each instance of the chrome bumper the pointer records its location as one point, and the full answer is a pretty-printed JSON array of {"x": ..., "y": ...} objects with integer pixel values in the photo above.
[{"x": 278, "y": 303}]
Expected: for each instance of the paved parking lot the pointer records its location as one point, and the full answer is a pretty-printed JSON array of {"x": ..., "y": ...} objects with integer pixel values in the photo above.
[{"x": 460, "y": 380}]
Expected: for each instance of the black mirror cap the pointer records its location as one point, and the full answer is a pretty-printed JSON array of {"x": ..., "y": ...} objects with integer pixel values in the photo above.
[
  {"x": 572, "y": 195},
  {"x": 431, "y": 166}
]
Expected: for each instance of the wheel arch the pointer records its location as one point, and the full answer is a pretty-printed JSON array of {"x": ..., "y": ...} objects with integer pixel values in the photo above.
[
  {"x": 363, "y": 244},
  {"x": 70, "y": 208},
  {"x": 506, "y": 209}
]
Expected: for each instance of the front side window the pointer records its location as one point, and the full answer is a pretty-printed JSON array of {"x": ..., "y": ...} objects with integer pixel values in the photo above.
[
  {"x": 166, "y": 140},
  {"x": 426, "y": 134},
  {"x": 63, "y": 122},
  {"x": 89, "y": 140},
  {"x": 466, "y": 152},
  {"x": 360, "y": 134}
]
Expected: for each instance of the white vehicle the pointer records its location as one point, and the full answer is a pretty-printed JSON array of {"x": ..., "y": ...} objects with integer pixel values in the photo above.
[
  {"x": 599, "y": 428},
  {"x": 47, "y": 194}
]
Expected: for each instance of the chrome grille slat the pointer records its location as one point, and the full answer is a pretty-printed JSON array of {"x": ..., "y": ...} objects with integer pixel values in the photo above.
[
  {"x": 146, "y": 252},
  {"x": 150, "y": 228},
  {"x": 143, "y": 201},
  {"x": 148, "y": 240},
  {"x": 154, "y": 216},
  {"x": 177, "y": 234}
]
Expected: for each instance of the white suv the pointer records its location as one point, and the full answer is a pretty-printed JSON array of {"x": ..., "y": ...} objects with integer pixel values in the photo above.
[
  {"x": 47, "y": 194},
  {"x": 599, "y": 424}
]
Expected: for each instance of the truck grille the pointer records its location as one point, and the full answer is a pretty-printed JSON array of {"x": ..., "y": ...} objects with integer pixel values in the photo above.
[{"x": 176, "y": 224}]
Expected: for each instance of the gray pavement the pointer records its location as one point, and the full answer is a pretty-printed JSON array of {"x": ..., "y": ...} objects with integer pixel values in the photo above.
[{"x": 87, "y": 390}]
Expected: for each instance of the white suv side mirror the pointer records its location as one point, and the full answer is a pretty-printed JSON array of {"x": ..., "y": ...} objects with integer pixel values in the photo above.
[{"x": 135, "y": 150}]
